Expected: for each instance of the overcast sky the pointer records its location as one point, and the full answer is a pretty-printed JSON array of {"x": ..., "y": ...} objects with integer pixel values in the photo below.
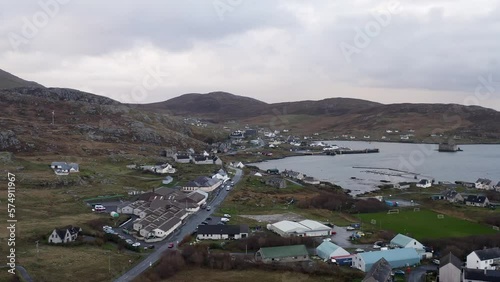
[{"x": 425, "y": 51}]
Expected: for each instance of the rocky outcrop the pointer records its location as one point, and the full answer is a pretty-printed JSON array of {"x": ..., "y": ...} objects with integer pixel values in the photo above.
[{"x": 8, "y": 140}]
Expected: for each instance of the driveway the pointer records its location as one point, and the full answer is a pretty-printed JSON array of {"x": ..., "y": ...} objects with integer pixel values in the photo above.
[
  {"x": 418, "y": 273},
  {"x": 192, "y": 222}
]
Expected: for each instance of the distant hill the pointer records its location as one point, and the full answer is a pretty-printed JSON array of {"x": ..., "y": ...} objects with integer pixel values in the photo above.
[
  {"x": 215, "y": 105},
  {"x": 8, "y": 81},
  {"x": 226, "y": 106},
  {"x": 341, "y": 116}
]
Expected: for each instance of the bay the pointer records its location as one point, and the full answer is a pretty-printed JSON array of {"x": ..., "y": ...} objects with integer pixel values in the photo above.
[{"x": 395, "y": 162}]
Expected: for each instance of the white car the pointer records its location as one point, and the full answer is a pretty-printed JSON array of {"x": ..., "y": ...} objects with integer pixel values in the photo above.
[
  {"x": 227, "y": 215},
  {"x": 224, "y": 219},
  {"x": 137, "y": 244},
  {"x": 128, "y": 241},
  {"x": 106, "y": 227},
  {"x": 349, "y": 228}
]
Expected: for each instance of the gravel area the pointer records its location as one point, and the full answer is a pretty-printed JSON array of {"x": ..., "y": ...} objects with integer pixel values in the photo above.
[{"x": 272, "y": 218}]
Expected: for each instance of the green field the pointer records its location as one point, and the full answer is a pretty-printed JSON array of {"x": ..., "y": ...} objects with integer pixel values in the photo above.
[{"x": 425, "y": 224}]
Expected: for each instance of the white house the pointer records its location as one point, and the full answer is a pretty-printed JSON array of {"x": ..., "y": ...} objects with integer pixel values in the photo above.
[
  {"x": 404, "y": 241},
  {"x": 63, "y": 168},
  {"x": 219, "y": 232},
  {"x": 483, "y": 259},
  {"x": 424, "y": 183},
  {"x": 483, "y": 183},
  {"x": 221, "y": 175},
  {"x": 64, "y": 235},
  {"x": 203, "y": 183},
  {"x": 450, "y": 268}
]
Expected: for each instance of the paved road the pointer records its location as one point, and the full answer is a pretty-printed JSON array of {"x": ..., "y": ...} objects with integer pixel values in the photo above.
[
  {"x": 21, "y": 271},
  {"x": 418, "y": 274},
  {"x": 188, "y": 228}
]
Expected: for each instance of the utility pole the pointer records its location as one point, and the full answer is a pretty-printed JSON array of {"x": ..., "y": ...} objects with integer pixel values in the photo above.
[
  {"x": 53, "y": 117},
  {"x": 37, "y": 250}
]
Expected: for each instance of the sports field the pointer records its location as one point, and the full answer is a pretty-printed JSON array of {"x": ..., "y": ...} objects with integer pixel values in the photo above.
[{"x": 424, "y": 224}]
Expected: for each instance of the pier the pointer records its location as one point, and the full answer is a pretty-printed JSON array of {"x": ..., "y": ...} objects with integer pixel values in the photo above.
[{"x": 348, "y": 152}]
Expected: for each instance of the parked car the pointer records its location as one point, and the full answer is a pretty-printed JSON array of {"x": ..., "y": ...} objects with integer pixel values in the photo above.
[
  {"x": 221, "y": 223},
  {"x": 435, "y": 261},
  {"x": 227, "y": 215},
  {"x": 399, "y": 272},
  {"x": 204, "y": 223},
  {"x": 121, "y": 236},
  {"x": 149, "y": 247},
  {"x": 126, "y": 231},
  {"x": 349, "y": 228},
  {"x": 208, "y": 218},
  {"x": 224, "y": 219},
  {"x": 170, "y": 245},
  {"x": 136, "y": 244},
  {"x": 208, "y": 208},
  {"x": 99, "y": 208},
  {"x": 128, "y": 241},
  {"x": 105, "y": 227}
]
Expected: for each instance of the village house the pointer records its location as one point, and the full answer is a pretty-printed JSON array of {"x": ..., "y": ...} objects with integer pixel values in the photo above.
[
  {"x": 381, "y": 271},
  {"x": 311, "y": 180},
  {"x": 222, "y": 232},
  {"x": 221, "y": 175},
  {"x": 483, "y": 183},
  {"x": 237, "y": 164},
  {"x": 497, "y": 187},
  {"x": 424, "y": 183},
  {"x": 64, "y": 235},
  {"x": 276, "y": 182},
  {"x": 453, "y": 196},
  {"x": 478, "y": 275},
  {"x": 450, "y": 268},
  {"x": 203, "y": 183},
  {"x": 484, "y": 259},
  {"x": 182, "y": 158},
  {"x": 293, "y": 174},
  {"x": 477, "y": 200},
  {"x": 402, "y": 185},
  {"x": 160, "y": 168},
  {"x": 294, "y": 253},
  {"x": 63, "y": 168},
  {"x": 403, "y": 241}
]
